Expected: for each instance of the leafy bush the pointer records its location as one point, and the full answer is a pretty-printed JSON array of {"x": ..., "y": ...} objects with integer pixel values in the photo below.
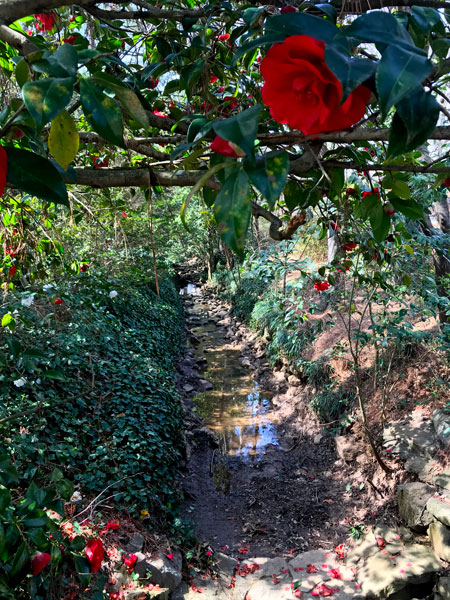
[
  {"x": 245, "y": 297},
  {"x": 331, "y": 402},
  {"x": 98, "y": 372}
]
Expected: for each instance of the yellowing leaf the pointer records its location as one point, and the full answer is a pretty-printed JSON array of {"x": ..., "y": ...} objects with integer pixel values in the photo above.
[
  {"x": 408, "y": 249},
  {"x": 63, "y": 140}
]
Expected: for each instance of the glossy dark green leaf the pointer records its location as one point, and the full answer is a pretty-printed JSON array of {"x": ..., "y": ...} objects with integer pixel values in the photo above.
[
  {"x": 380, "y": 222},
  {"x": 191, "y": 74},
  {"x": 2, "y": 538},
  {"x": 209, "y": 196},
  {"x": 369, "y": 205},
  {"x": 301, "y": 24},
  {"x": 36, "y": 176},
  {"x": 400, "y": 71},
  {"x": 102, "y": 113},
  {"x": 232, "y": 210},
  {"x": 259, "y": 42},
  {"x": 20, "y": 563},
  {"x": 378, "y": 27},
  {"x": 241, "y": 129},
  {"x": 351, "y": 72},
  {"x": 410, "y": 208},
  {"x": 5, "y": 499},
  {"x": 83, "y": 569},
  {"x": 268, "y": 174},
  {"x": 415, "y": 119},
  {"x": 8, "y": 473},
  {"x": 292, "y": 194},
  {"x": 426, "y": 18},
  {"x": 46, "y": 98},
  {"x": 67, "y": 58},
  {"x": 329, "y": 10}
]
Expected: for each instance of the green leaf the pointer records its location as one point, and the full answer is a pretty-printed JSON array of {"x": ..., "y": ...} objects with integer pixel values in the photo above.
[
  {"x": 378, "y": 27},
  {"x": 410, "y": 208},
  {"x": 67, "y": 58},
  {"x": 301, "y": 24},
  {"x": 209, "y": 196},
  {"x": 125, "y": 96},
  {"x": 199, "y": 128},
  {"x": 46, "y": 98},
  {"x": 63, "y": 140},
  {"x": 415, "y": 119},
  {"x": 191, "y": 74},
  {"x": 20, "y": 562},
  {"x": 36, "y": 176},
  {"x": 369, "y": 205},
  {"x": 399, "y": 187},
  {"x": 8, "y": 473},
  {"x": 380, "y": 222},
  {"x": 5, "y": 499},
  {"x": 268, "y": 174},
  {"x": 241, "y": 129},
  {"x": 329, "y": 10},
  {"x": 232, "y": 210},
  {"x": 407, "y": 280},
  {"x": 200, "y": 183},
  {"x": 22, "y": 72},
  {"x": 102, "y": 113},
  {"x": 400, "y": 71},
  {"x": 54, "y": 374},
  {"x": 292, "y": 194},
  {"x": 426, "y": 18},
  {"x": 83, "y": 569},
  {"x": 351, "y": 72},
  {"x": 2, "y": 539}
]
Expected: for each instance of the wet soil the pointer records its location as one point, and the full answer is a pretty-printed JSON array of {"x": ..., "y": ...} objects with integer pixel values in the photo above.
[{"x": 269, "y": 477}]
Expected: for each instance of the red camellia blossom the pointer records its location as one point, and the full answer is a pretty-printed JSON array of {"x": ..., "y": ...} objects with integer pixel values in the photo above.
[
  {"x": 350, "y": 191},
  {"x": 95, "y": 553},
  {"x": 12, "y": 270},
  {"x": 129, "y": 561},
  {"x": 3, "y": 169},
  {"x": 303, "y": 93},
  {"x": 374, "y": 191},
  {"x": 340, "y": 551},
  {"x": 84, "y": 268},
  {"x": 389, "y": 209},
  {"x": 46, "y": 21},
  {"x": 288, "y": 9},
  {"x": 213, "y": 79},
  {"x": 224, "y": 37},
  {"x": 322, "y": 590},
  {"x": 321, "y": 286},
  {"x": 159, "y": 114},
  {"x": 225, "y": 148},
  {"x": 446, "y": 182},
  {"x": 348, "y": 246},
  {"x": 100, "y": 163},
  {"x": 59, "y": 301},
  {"x": 125, "y": 216},
  {"x": 311, "y": 568},
  {"x": 153, "y": 83},
  {"x": 18, "y": 133},
  {"x": 39, "y": 562},
  {"x": 70, "y": 40}
]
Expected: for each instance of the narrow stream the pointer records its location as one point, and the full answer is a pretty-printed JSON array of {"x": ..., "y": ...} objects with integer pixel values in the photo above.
[{"x": 236, "y": 408}]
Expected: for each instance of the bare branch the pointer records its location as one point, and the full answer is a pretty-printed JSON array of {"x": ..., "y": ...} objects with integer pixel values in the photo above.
[
  {"x": 148, "y": 13},
  {"x": 104, "y": 178},
  {"x": 17, "y": 40}
]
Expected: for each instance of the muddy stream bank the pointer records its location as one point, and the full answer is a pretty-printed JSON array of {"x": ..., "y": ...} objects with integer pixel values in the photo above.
[{"x": 261, "y": 471}]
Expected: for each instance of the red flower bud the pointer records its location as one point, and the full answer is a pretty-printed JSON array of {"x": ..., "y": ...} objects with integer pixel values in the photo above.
[
  {"x": 225, "y": 148},
  {"x": 389, "y": 209},
  {"x": 224, "y": 37},
  {"x": 374, "y": 191},
  {"x": 213, "y": 79},
  {"x": 95, "y": 553},
  {"x": 39, "y": 562},
  {"x": 348, "y": 246},
  {"x": 12, "y": 270},
  {"x": 446, "y": 182},
  {"x": 70, "y": 40},
  {"x": 350, "y": 191},
  {"x": 59, "y": 301},
  {"x": 288, "y": 9}
]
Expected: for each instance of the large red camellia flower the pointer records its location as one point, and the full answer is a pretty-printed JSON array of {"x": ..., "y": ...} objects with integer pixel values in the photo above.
[
  {"x": 95, "y": 553},
  {"x": 303, "y": 93}
]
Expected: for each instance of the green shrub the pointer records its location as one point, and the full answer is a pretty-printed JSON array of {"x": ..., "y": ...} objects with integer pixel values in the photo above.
[
  {"x": 99, "y": 372},
  {"x": 331, "y": 402}
]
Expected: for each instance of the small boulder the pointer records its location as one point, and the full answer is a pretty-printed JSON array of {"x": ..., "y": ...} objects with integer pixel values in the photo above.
[
  {"x": 439, "y": 507},
  {"x": 441, "y": 424},
  {"x": 443, "y": 588},
  {"x": 412, "y": 504},
  {"x": 205, "y": 385},
  {"x": 347, "y": 448},
  {"x": 136, "y": 543},
  {"x": 440, "y": 540},
  {"x": 164, "y": 571}
]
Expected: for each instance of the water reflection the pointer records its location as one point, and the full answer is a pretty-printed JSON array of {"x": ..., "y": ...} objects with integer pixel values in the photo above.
[{"x": 236, "y": 409}]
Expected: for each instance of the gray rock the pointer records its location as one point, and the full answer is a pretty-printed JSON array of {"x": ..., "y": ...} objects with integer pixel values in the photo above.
[
  {"x": 164, "y": 572},
  {"x": 420, "y": 466},
  {"x": 226, "y": 564},
  {"x": 412, "y": 504},
  {"x": 443, "y": 588},
  {"x": 442, "y": 479},
  {"x": 318, "y": 438},
  {"x": 180, "y": 592},
  {"x": 136, "y": 593},
  {"x": 441, "y": 423},
  {"x": 136, "y": 543},
  {"x": 440, "y": 540},
  {"x": 381, "y": 576},
  {"x": 440, "y": 508},
  {"x": 205, "y": 385},
  {"x": 188, "y": 388},
  {"x": 266, "y": 589},
  {"x": 413, "y": 435}
]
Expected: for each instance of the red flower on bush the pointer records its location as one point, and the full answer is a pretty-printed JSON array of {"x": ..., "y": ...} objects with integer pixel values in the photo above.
[
  {"x": 321, "y": 286},
  {"x": 125, "y": 216},
  {"x": 334, "y": 226},
  {"x": 12, "y": 270},
  {"x": 100, "y": 163},
  {"x": 70, "y": 40},
  {"x": 159, "y": 114},
  {"x": 303, "y": 93},
  {"x": 348, "y": 246},
  {"x": 213, "y": 79},
  {"x": 129, "y": 561},
  {"x": 84, "y": 268},
  {"x": 389, "y": 209},
  {"x": 46, "y": 21},
  {"x": 3, "y": 169},
  {"x": 59, "y": 301},
  {"x": 350, "y": 191},
  {"x": 224, "y": 37},
  {"x": 288, "y": 9},
  {"x": 153, "y": 83},
  {"x": 225, "y": 148},
  {"x": 374, "y": 191},
  {"x": 39, "y": 562},
  {"x": 95, "y": 553},
  {"x": 446, "y": 182}
]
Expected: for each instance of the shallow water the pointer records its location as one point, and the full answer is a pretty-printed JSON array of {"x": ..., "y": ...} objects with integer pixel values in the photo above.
[{"x": 236, "y": 409}]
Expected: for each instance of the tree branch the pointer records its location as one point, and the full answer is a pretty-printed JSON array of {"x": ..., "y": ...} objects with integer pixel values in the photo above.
[
  {"x": 148, "y": 13},
  {"x": 17, "y": 40},
  {"x": 103, "y": 178}
]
